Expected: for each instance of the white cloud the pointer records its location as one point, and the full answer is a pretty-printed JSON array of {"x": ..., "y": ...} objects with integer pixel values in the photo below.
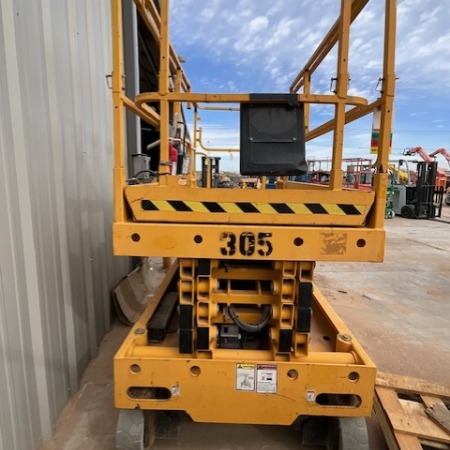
[
  {"x": 258, "y": 24},
  {"x": 250, "y": 38},
  {"x": 239, "y": 17}
]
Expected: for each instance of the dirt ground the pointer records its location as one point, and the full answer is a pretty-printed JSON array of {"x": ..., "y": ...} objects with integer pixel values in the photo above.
[{"x": 399, "y": 311}]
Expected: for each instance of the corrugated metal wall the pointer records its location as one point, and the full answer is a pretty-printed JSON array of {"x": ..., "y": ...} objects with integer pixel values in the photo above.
[{"x": 56, "y": 264}]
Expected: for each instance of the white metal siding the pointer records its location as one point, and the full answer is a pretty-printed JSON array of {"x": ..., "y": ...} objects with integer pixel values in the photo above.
[{"x": 56, "y": 264}]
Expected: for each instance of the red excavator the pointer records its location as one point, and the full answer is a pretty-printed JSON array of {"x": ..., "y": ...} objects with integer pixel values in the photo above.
[
  {"x": 446, "y": 154},
  {"x": 441, "y": 177}
]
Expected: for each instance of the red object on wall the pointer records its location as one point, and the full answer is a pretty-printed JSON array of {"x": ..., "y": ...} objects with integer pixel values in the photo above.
[
  {"x": 173, "y": 157},
  {"x": 173, "y": 153}
]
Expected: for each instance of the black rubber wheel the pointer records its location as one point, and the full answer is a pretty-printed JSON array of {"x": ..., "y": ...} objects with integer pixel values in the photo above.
[
  {"x": 407, "y": 211},
  {"x": 353, "y": 433},
  {"x": 334, "y": 433},
  {"x": 135, "y": 430}
]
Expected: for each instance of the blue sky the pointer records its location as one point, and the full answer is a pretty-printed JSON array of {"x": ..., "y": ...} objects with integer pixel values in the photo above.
[{"x": 244, "y": 46}]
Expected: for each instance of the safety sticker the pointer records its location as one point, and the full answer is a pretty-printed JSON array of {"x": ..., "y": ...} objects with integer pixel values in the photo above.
[
  {"x": 175, "y": 390},
  {"x": 245, "y": 377},
  {"x": 311, "y": 396},
  {"x": 266, "y": 378}
]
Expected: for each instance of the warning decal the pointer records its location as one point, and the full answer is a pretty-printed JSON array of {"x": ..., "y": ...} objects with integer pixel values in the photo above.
[
  {"x": 266, "y": 378},
  {"x": 245, "y": 377}
]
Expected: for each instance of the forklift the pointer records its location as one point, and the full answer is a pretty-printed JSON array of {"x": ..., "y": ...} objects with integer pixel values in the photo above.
[
  {"x": 238, "y": 332},
  {"x": 422, "y": 199}
]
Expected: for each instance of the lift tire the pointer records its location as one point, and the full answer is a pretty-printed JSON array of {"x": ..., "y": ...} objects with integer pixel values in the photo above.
[
  {"x": 134, "y": 430},
  {"x": 353, "y": 433},
  {"x": 407, "y": 211},
  {"x": 334, "y": 433}
]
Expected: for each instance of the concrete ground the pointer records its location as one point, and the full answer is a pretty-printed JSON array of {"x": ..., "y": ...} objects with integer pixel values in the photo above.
[{"x": 398, "y": 310}]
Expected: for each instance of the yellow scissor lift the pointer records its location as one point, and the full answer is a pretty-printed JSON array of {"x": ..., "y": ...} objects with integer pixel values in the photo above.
[{"x": 237, "y": 332}]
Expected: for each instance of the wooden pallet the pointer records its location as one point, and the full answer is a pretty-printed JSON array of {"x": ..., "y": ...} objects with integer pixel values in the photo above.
[{"x": 413, "y": 413}]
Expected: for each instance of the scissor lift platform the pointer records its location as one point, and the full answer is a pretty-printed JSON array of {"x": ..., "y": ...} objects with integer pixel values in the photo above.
[{"x": 243, "y": 335}]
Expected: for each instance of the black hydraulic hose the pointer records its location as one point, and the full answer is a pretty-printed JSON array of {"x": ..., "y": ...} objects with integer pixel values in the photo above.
[
  {"x": 250, "y": 327},
  {"x": 150, "y": 172}
]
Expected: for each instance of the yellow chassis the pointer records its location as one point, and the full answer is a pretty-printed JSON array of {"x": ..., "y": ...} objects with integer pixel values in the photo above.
[{"x": 206, "y": 387}]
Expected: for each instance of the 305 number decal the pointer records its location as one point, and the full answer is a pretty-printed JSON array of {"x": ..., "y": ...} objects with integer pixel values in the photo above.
[{"x": 246, "y": 243}]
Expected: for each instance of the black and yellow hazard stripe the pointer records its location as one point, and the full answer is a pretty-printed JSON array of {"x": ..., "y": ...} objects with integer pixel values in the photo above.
[{"x": 340, "y": 209}]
